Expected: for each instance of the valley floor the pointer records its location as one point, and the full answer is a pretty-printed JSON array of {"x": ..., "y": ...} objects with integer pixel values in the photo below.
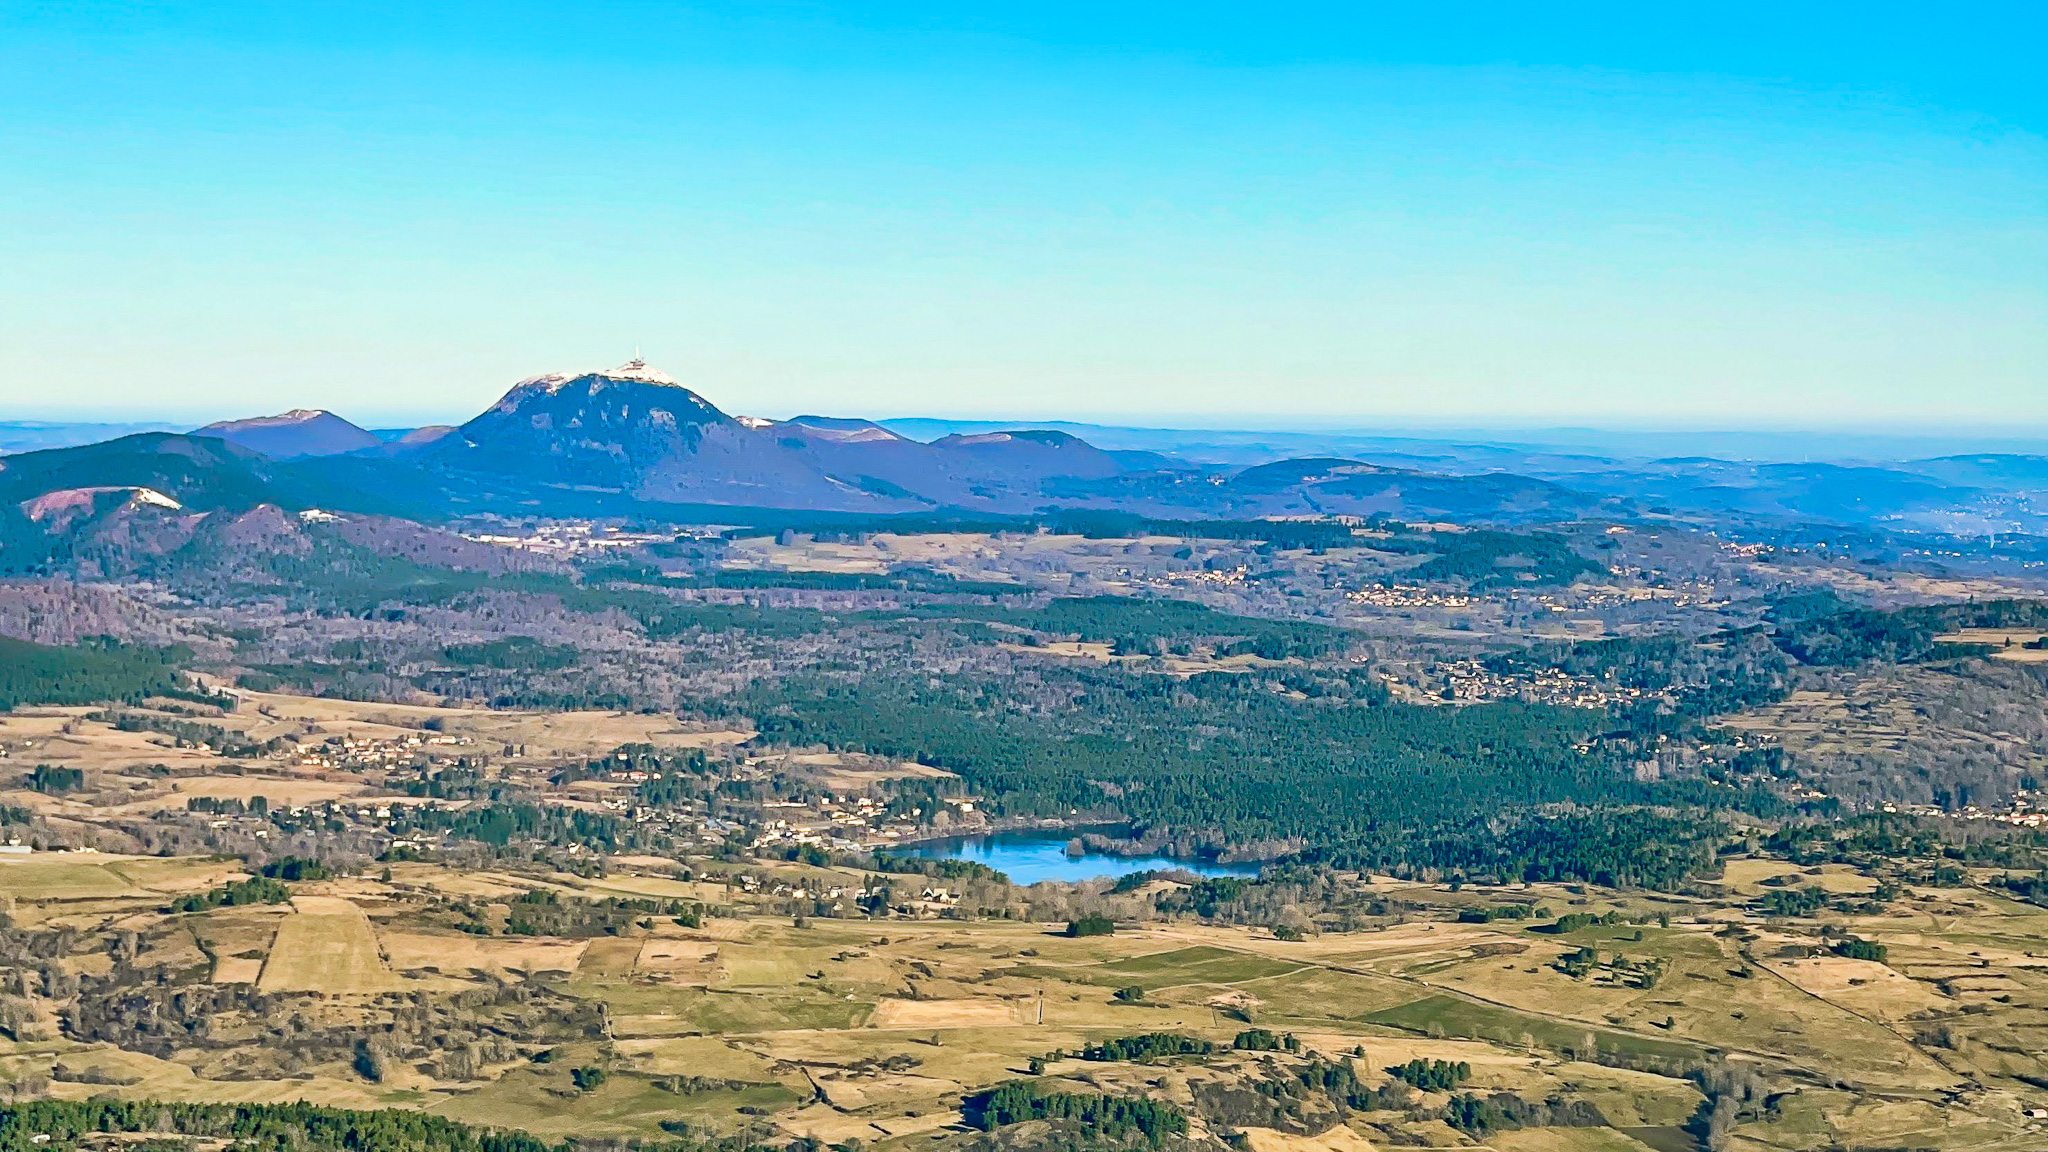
[{"x": 877, "y": 1030}]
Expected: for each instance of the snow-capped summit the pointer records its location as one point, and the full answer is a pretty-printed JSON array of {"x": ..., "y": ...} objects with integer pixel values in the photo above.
[
  {"x": 289, "y": 435},
  {"x": 64, "y": 504},
  {"x": 637, "y": 369},
  {"x": 281, "y": 420},
  {"x": 840, "y": 430},
  {"x": 634, "y": 371},
  {"x": 594, "y": 430}
]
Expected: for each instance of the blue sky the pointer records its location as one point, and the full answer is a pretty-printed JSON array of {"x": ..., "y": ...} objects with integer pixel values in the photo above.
[{"x": 1280, "y": 215}]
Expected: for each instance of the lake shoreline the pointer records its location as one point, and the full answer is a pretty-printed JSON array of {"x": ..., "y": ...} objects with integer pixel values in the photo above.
[{"x": 1031, "y": 856}]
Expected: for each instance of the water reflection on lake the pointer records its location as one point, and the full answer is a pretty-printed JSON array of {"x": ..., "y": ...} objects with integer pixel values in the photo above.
[{"x": 1029, "y": 857}]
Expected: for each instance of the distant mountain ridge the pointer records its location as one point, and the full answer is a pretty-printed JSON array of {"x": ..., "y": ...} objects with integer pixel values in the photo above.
[
  {"x": 633, "y": 431},
  {"x": 632, "y": 440},
  {"x": 290, "y": 435},
  {"x": 201, "y": 473},
  {"x": 35, "y": 435}
]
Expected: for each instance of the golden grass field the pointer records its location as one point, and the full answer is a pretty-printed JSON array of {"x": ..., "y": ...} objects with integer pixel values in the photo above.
[
  {"x": 968, "y": 555},
  {"x": 585, "y": 733},
  {"x": 609, "y": 957},
  {"x": 2011, "y": 644},
  {"x": 1338, "y": 1139},
  {"x": 68, "y": 876},
  {"x": 63, "y": 737},
  {"x": 326, "y": 945},
  {"x": 926, "y": 1014},
  {"x": 842, "y": 772},
  {"x": 455, "y": 953}
]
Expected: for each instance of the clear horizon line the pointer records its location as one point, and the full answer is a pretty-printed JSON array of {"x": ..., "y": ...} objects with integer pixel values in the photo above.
[{"x": 1429, "y": 427}]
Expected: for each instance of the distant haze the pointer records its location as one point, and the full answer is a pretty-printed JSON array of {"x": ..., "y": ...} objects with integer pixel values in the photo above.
[
  {"x": 1245, "y": 445},
  {"x": 1254, "y": 444}
]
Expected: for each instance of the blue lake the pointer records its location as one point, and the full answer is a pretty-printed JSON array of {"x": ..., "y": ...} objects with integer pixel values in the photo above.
[{"x": 1029, "y": 857}]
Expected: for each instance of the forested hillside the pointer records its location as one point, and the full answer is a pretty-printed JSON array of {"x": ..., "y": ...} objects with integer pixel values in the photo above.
[{"x": 87, "y": 674}]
